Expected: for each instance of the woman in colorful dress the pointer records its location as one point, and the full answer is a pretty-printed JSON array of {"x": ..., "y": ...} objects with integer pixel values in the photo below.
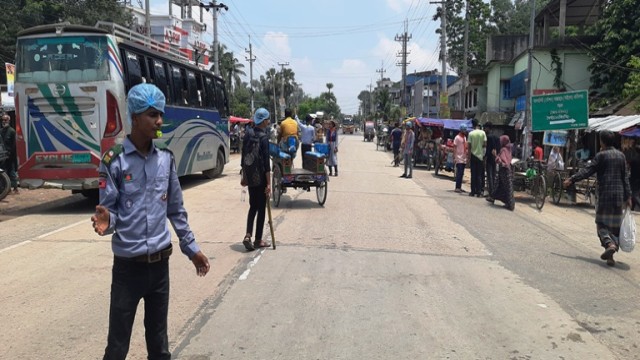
[{"x": 332, "y": 140}]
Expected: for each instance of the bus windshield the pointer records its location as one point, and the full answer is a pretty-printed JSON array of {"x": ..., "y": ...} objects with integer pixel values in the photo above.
[{"x": 62, "y": 59}]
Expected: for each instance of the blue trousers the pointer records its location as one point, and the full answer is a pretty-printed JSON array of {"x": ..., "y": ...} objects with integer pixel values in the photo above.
[
  {"x": 408, "y": 165},
  {"x": 132, "y": 281}
]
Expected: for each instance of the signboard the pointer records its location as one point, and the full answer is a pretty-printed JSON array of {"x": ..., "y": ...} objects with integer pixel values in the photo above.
[
  {"x": 171, "y": 36},
  {"x": 555, "y": 138},
  {"x": 11, "y": 71},
  {"x": 562, "y": 111}
]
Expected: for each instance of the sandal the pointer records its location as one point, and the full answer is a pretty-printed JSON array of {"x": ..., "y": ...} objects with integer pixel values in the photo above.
[
  {"x": 261, "y": 244},
  {"x": 247, "y": 243}
]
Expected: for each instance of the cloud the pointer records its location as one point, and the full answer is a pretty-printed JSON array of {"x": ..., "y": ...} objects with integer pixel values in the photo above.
[
  {"x": 278, "y": 43},
  {"x": 398, "y": 5}
]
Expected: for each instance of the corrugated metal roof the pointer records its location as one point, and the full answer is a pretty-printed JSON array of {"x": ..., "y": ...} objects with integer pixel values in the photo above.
[{"x": 613, "y": 123}]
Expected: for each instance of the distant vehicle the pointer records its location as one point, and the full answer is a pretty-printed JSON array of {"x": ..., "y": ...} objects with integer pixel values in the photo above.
[
  {"x": 369, "y": 131},
  {"x": 71, "y": 85},
  {"x": 348, "y": 126}
]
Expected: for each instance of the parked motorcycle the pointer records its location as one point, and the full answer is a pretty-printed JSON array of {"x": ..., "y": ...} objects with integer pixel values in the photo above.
[
  {"x": 234, "y": 141},
  {"x": 5, "y": 181}
]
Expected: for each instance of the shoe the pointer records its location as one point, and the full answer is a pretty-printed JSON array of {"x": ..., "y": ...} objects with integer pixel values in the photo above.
[
  {"x": 610, "y": 261},
  {"x": 490, "y": 199},
  {"x": 403, "y": 176},
  {"x": 471, "y": 194},
  {"x": 478, "y": 195},
  {"x": 608, "y": 253},
  {"x": 457, "y": 190},
  {"x": 261, "y": 244},
  {"x": 409, "y": 177},
  {"x": 16, "y": 191},
  {"x": 247, "y": 243}
]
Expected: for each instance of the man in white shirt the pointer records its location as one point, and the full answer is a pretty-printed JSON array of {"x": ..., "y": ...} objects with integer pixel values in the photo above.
[{"x": 307, "y": 133}]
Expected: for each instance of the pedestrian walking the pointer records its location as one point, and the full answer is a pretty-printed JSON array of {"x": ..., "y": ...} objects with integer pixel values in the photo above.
[
  {"x": 332, "y": 140},
  {"x": 256, "y": 175},
  {"x": 460, "y": 148},
  {"x": 407, "y": 150},
  {"x": 493, "y": 147},
  {"x": 396, "y": 139},
  {"x": 10, "y": 165},
  {"x": 504, "y": 186},
  {"x": 614, "y": 192},
  {"x": 632, "y": 154},
  {"x": 477, "y": 150},
  {"x": 139, "y": 190}
]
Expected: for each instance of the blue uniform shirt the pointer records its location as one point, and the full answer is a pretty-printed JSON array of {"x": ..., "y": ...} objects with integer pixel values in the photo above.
[{"x": 141, "y": 193}]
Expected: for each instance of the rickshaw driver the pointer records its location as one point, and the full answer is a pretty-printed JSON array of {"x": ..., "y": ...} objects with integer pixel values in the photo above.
[{"x": 288, "y": 134}]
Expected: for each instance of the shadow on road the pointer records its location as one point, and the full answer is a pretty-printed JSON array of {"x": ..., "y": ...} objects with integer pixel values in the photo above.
[{"x": 619, "y": 265}]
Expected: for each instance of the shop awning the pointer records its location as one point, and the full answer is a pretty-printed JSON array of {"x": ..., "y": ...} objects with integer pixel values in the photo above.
[
  {"x": 631, "y": 132},
  {"x": 613, "y": 123},
  {"x": 235, "y": 119}
]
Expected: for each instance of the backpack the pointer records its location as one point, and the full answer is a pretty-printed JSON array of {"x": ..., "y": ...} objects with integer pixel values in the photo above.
[{"x": 252, "y": 171}]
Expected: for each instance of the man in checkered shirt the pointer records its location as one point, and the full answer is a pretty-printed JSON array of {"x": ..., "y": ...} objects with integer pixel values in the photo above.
[{"x": 614, "y": 193}]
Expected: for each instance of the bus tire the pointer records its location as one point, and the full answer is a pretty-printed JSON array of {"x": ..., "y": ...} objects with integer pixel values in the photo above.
[
  {"x": 217, "y": 171},
  {"x": 5, "y": 184}
]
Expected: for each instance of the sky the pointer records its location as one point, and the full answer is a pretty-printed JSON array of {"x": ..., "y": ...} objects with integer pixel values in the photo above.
[{"x": 343, "y": 42}]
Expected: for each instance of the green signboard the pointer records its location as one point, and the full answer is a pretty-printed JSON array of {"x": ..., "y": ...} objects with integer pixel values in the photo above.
[{"x": 560, "y": 111}]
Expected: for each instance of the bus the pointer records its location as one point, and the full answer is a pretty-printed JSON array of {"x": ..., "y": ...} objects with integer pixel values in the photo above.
[{"x": 70, "y": 96}]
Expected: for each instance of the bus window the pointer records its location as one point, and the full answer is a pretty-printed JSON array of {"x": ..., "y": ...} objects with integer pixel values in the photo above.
[
  {"x": 221, "y": 98},
  {"x": 184, "y": 87},
  {"x": 201, "y": 91},
  {"x": 133, "y": 70},
  {"x": 176, "y": 86},
  {"x": 192, "y": 89},
  {"x": 151, "y": 71},
  {"x": 210, "y": 98},
  {"x": 143, "y": 69},
  {"x": 160, "y": 79}
]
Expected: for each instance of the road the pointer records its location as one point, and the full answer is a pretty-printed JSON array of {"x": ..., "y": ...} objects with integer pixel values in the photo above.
[{"x": 389, "y": 268}]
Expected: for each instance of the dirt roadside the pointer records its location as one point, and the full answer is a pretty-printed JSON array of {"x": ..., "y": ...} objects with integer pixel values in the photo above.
[{"x": 27, "y": 201}]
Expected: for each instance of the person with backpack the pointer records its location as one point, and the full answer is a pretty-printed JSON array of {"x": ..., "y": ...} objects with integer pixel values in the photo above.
[{"x": 256, "y": 175}]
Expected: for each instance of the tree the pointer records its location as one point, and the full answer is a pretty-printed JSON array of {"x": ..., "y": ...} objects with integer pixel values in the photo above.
[
  {"x": 619, "y": 32},
  {"x": 18, "y": 15},
  {"x": 632, "y": 86},
  {"x": 365, "y": 101},
  {"x": 329, "y": 86}
]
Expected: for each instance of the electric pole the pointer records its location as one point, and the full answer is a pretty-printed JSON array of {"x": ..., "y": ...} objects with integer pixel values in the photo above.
[
  {"x": 444, "y": 101},
  {"x": 282, "y": 99},
  {"x": 465, "y": 68},
  {"x": 404, "y": 38},
  {"x": 526, "y": 146},
  {"x": 251, "y": 59},
  {"x": 381, "y": 71},
  {"x": 213, "y": 6},
  {"x": 370, "y": 98}
]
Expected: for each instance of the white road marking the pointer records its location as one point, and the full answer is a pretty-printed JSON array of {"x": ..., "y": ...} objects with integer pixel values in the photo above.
[
  {"x": 246, "y": 273},
  {"x": 14, "y": 246},
  {"x": 61, "y": 229}
]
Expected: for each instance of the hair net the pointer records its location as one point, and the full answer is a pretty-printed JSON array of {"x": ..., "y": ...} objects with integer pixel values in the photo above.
[
  {"x": 144, "y": 96},
  {"x": 409, "y": 124},
  {"x": 261, "y": 115},
  {"x": 463, "y": 128}
]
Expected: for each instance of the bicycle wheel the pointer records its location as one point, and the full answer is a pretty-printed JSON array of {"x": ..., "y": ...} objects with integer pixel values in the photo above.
[
  {"x": 556, "y": 189},
  {"x": 5, "y": 184},
  {"x": 540, "y": 191},
  {"x": 321, "y": 193},
  {"x": 276, "y": 185}
]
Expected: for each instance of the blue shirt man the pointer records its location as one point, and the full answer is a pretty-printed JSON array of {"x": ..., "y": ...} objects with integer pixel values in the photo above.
[{"x": 139, "y": 190}]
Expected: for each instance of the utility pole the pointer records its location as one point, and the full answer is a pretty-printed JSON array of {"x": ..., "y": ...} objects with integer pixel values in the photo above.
[
  {"x": 283, "y": 104},
  {"x": 381, "y": 71},
  {"x": 465, "y": 68},
  {"x": 251, "y": 59},
  {"x": 213, "y": 6},
  {"x": 370, "y": 98},
  {"x": 526, "y": 146},
  {"x": 147, "y": 19},
  {"x": 404, "y": 38},
  {"x": 444, "y": 101},
  {"x": 275, "y": 108}
]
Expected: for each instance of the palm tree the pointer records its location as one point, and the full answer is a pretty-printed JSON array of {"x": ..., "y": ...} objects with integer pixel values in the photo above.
[
  {"x": 329, "y": 86},
  {"x": 230, "y": 68}
]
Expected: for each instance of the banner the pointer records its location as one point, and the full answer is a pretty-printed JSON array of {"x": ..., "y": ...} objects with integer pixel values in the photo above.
[{"x": 11, "y": 71}]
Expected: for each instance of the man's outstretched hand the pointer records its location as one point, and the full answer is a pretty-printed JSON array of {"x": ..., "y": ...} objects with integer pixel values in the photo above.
[{"x": 100, "y": 220}]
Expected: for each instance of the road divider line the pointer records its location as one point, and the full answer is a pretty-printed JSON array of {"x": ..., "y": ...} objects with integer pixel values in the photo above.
[
  {"x": 14, "y": 246},
  {"x": 246, "y": 273},
  {"x": 61, "y": 229}
]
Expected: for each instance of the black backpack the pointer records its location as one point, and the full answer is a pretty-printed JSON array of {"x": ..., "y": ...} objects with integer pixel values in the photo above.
[{"x": 252, "y": 169}]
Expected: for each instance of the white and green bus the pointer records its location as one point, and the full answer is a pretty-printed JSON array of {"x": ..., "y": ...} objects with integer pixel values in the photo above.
[{"x": 70, "y": 95}]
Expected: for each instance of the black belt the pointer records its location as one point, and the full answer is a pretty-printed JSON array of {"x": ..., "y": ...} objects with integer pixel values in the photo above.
[{"x": 150, "y": 258}]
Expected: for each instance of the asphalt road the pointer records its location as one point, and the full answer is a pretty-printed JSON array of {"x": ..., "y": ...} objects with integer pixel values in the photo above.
[{"x": 389, "y": 268}]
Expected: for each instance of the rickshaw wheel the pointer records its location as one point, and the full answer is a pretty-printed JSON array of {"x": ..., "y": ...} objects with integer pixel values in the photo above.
[
  {"x": 540, "y": 187},
  {"x": 321, "y": 193},
  {"x": 556, "y": 189},
  {"x": 276, "y": 185}
]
